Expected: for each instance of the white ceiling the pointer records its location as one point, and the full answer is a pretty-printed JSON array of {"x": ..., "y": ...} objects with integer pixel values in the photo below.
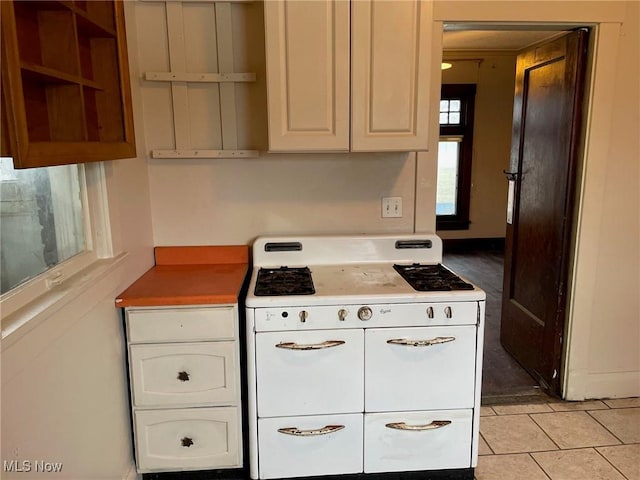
[{"x": 509, "y": 40}]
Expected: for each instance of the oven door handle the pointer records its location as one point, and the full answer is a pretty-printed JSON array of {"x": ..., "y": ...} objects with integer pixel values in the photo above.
[
  {"x": 295, "y": 431},
  {"x": 420, "y": 343},
  {"x": 430, "y": 426},
  {"x": 309, "y": 346}
]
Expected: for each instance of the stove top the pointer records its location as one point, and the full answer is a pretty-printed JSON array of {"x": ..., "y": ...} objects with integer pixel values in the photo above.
[
  {"x": 350, "y": 270},
  {"x": 284, "y": 281},
  {"x": 431, "y": 278}
]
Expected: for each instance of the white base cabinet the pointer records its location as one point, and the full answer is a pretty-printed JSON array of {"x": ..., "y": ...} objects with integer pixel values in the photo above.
[{"x": 185, "y": 387}]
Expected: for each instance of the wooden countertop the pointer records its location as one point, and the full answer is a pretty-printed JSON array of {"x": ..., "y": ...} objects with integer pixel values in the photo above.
[{"x": 190, "y": 276}]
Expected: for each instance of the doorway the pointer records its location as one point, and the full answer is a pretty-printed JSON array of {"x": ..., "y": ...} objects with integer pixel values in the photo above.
[{"x": 486, "y": 57}]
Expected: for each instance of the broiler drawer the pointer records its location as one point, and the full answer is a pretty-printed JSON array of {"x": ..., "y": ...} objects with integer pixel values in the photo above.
[
  {"x": 310, "y": 446},
  {"x": 183, "y": 374},
  {"x": 180, "y": 324},
  {"x": 428, "y": 440}
]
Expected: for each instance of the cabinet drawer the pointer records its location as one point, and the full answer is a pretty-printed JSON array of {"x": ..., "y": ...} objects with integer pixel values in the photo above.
[
  {"x": 426, "y": 440},
  {"x": 183, "y": 373},
  {"x": 181, "y": 324},
  {"x": 306, "y": 373},
  {"x": 187, "y": 439},
  {"x": 317, "y": 445},
  {"x": 420, "y": 368}
]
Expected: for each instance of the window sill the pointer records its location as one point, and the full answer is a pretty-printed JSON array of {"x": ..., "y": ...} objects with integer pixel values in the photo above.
[
  {"x": 31, "y": 315},
  {"x": 452, "y": 224}
]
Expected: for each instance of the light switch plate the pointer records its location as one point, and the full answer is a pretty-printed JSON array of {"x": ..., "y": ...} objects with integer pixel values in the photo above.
[{"x": 391, "y": 207}]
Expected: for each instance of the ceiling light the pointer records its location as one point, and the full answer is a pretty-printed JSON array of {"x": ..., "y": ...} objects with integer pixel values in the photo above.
[{"x": 446, "y": 65}]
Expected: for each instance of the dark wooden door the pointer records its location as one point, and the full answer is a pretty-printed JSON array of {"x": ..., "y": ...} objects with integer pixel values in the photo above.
[{"x": 544, "y": 154}]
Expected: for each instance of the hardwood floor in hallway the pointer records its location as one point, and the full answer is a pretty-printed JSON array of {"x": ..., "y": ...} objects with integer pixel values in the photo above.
[{"x": 502, "y": 377}]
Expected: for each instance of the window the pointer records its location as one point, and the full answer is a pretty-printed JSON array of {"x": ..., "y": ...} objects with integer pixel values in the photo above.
[
  {"x": 46, "y": 232},
  {"x": 454, "y": 156}
]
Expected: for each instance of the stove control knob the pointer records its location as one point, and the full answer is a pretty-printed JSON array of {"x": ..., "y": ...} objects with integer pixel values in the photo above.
[
  {"x": 303, "y": 315},
  {"x": 365, "y": 313},
  {"x": 342, "y": 314}
]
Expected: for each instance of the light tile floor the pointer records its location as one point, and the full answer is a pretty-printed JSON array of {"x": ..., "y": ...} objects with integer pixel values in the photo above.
[{"x": 592, "y": 440}]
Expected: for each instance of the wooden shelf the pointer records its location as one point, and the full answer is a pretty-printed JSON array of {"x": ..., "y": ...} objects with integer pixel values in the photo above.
[
  {"x": 65, "y": 82},
  {"x": 50, "y": 75},
  {"x": 225, "y": 79}
]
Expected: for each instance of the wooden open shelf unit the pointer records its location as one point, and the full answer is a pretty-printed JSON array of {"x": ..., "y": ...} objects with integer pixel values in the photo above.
[{"x": 65, "y": 82}]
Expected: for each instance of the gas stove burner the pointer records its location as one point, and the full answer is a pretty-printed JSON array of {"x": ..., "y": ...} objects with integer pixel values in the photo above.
[
  {"x": 284, "y": 281},
  {"x": 431, "y": 278}
]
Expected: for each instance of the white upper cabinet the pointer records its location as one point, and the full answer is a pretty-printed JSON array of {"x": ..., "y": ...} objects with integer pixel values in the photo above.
[
  {"x": 307, "y": 49},
  {"x": 390, "y": 75},
  {"x": 348, "y": 75}
]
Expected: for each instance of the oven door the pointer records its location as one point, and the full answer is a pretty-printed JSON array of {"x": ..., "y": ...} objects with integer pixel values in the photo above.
[
  {"x": 420, "y": 368},
  {"x": 308, "y": 373}
]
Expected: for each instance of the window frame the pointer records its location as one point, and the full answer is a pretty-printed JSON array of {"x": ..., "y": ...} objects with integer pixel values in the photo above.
[
  {"x": 465, "y": 92},
  {"x": 97, "y": 244}
]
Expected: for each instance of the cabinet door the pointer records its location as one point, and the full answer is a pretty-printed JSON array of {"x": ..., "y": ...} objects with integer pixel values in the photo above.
[
  {"x": 307, "y": 50},
  {"x": 391, "y": 74}
]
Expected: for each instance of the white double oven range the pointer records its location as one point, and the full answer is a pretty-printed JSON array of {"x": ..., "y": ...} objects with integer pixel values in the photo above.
[{"x": 364, "y": 356}]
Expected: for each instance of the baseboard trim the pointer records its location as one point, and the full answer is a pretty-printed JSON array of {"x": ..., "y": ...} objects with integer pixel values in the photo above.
[
  {"x": 612, "y": 385},
  {"x": 458, "y": 245}
]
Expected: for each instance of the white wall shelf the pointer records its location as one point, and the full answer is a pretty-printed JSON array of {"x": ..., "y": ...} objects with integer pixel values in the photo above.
[
  {"x": 224, "y": 80},
  {"x": 204, "y": 153}
]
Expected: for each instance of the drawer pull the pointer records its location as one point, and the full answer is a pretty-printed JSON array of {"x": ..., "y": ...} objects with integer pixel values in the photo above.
[
  {"x": 420, "y": 343},
  {"x": 310, "y": 433},
  {"x": 430, "y": 312},
  {"x": 183, "y": 376},
  {"x": 186, "y": 441},
  {"x": 309, "y": 346},
  {"x": 447, "y": 312},
  {"x": 430, "y": 426}
]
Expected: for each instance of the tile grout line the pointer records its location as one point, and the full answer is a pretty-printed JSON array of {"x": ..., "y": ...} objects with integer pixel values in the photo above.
[
  {"x": 610, "y": 463},
  {"x": 605, "y": 427},
  {"x": 488, "y": 446},
  {"x": 548, "y": 475},
  {"x": 545, "y": 432}
]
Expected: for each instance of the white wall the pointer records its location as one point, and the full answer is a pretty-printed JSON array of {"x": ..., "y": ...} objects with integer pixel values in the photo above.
[
  {"x": 494, "y": 76},
  {"x": 63, "y": 384}
]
